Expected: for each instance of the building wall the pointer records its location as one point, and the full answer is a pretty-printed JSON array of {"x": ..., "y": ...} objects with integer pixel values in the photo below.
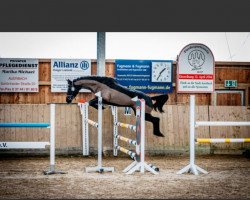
[
  {"x": 31, "y": 107},
  {"x": 223, "y": 71}
]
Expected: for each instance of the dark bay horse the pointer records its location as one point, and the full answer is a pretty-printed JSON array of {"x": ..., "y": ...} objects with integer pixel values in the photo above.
[{"x": 117, "y": 95}]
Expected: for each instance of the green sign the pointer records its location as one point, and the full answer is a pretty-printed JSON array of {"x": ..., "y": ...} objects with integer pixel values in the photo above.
[{"x": 230, "y": 83}]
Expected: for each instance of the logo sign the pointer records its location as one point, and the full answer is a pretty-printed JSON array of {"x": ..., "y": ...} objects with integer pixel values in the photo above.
[
  {"x": 127, "y": 111},
  {"x": 18, "y": 75},
  {"x": 195, "y": 71},
  {"x": 84, "y": 65},
  {"x": 63, "y": 69},
  {"x": 153, "y": 76},
  {"x": 230, "y": 83}
]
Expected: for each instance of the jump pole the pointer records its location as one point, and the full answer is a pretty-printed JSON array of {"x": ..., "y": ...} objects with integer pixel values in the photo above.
[
  {"x": 139, "y": 163},
  {"x": 36, "y": 145},
  {"x": 99, "y": 168},
  {"x": 192, "y": 168}
]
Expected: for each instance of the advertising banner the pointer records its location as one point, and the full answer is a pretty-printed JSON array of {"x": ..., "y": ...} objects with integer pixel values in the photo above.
[
  {"x": 150, "y": 76},
  {"x": 195, "y": 73},
  {"x": 63, "y": 69},
  {"x": 18, "y": 75}
]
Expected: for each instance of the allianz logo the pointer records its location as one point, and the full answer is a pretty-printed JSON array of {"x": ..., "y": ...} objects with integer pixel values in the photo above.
[{"x": 84, "y": 65}]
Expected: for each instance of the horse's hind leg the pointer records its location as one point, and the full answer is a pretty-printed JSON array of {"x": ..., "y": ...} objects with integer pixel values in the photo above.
[{"x": 156, "y": 124}]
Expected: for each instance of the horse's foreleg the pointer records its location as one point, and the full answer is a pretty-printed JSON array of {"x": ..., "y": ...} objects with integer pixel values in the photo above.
[
  {"x": 94, "y": 103},
  {"x": 156, "y": 124}
]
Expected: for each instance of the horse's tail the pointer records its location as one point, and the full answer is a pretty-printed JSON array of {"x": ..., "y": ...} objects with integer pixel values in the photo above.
[{"x": 159, "y": 102}]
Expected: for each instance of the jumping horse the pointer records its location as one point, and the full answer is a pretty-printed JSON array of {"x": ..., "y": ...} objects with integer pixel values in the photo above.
[{"x": 117, "y": 95}]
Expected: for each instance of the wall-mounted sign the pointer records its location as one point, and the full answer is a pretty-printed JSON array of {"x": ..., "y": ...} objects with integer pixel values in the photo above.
[
  {"x": 18, "y": 75},
  {"x": 195, "y": 73},
  {"x": 127, "y": 111},
  {"x": 63, "y": 69},
  {"x": 153, "y": 76},
  {"x": 230, "y": 83}
]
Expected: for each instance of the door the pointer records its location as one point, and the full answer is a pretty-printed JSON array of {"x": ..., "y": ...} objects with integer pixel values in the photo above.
[{"x": 229, "y": 97}]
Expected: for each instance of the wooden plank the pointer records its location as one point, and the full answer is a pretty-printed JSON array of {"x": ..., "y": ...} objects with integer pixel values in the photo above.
[
  {"x": 40, "y": 118},
  {"x": 233, "y": 64},
  {"x": 35, "y": 118},
  {"x": 180, "y": 119},
  {"x": 70, "y": 126},
  {"x": 47, "y": 98},
  {"x": 7, "y": 116},
  {"x": 176, "y": 131},
  {"x": 29, "y": 118},
  {"x": 216, "y": 132},
  {"x": 164, "y": 121},
  {"x": 93, "y": 133},
  {"x": 203, "y": 131},
  {"x": 46, "y": 132},
  {"x": 170, "y": 127},
  {"x": 44, "y": 71},
  {"x": 13, "y": 119},
  {"x": 78, "y": 124},
  {"x": 59, "y": 126},
  {"x": 23, "y": 118},
  {"x": 17, "y": 118},
  {"x": 107, "y": 130},
  {"x": 41, "y": 98},
  {"x": 44, "y": 83},
  {"x": 186, "y": 126},
  {"x": 64, "y": 123},
  {"x": 159, "y": 142},
  {"x": 226, "y": 113},
  {"x": 2, "y": 119}
]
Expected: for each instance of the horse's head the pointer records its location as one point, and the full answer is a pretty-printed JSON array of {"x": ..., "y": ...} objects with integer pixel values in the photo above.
[{"x": 72, "y": 91}]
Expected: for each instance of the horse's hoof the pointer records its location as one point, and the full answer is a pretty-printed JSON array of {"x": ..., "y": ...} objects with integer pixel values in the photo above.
[{"x": 159, "y": 134}]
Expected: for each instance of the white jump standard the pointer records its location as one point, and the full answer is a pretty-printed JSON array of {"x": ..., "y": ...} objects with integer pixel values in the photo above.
[
  {"x": 192, "y": 168},
  {"x": 35, "y": 145},
  {"x": 84, "y": 111},
  {"x": 138, "y": 156}
]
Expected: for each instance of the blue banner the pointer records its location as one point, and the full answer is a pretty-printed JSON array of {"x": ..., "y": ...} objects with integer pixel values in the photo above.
[{"x": 149, "y": 76}]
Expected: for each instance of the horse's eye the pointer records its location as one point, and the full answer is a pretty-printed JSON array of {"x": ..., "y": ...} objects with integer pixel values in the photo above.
[{"x": 72, "y": 88}]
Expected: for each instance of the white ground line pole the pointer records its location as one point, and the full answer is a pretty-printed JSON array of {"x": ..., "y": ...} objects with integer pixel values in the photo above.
[{"x": 192, "y": 168}]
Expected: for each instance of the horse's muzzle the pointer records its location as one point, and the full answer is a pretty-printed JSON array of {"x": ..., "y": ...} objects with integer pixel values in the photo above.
[{"x": 69, "y": 99}]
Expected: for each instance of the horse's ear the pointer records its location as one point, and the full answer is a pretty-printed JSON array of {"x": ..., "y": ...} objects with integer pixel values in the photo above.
[{"x": 69, "y": 81}]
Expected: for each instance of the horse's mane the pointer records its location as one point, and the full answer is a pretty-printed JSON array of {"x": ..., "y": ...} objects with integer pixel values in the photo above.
[{"x": 109, "y": 81}]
